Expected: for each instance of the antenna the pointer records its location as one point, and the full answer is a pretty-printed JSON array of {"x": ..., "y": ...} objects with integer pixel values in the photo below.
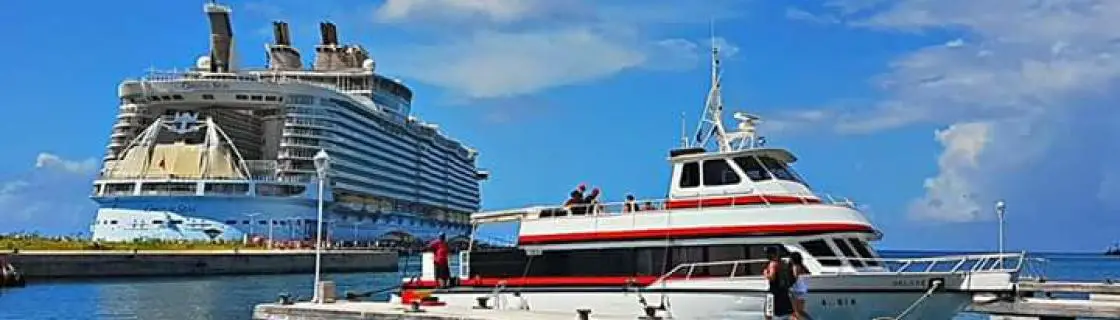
[
  {"x": 684, "y": 130},
  {"x": 711, "y": 122}
]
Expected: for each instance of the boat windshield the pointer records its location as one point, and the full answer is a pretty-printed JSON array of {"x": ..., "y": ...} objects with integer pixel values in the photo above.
[{"x": 759, "y": 168}]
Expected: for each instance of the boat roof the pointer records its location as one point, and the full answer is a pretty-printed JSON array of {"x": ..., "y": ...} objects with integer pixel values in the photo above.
[{"x": 776, "y": 153}]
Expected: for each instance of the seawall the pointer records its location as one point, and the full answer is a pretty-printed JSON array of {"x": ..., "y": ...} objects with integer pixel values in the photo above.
[{"x": 97, "y": 264}]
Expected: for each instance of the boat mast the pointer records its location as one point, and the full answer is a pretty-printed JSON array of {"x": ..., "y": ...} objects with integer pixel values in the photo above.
[{"x": 711, "y": 122}]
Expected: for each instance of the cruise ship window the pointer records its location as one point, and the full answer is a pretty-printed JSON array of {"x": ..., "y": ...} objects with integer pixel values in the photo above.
[
  {"x": 752, "y": 168},
  {"x": 207, "y": 97},
  {"x": 822, "y": 252},
  {"x": 241, "y": 97},
  {"x": 719, "y": 173},
  {"x": 690, "y": 175}
]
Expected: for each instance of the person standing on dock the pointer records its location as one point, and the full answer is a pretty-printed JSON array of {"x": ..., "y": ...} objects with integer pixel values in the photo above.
[
  {"x": 781, "y": 278},
  {"x": 443, "y": 270}
]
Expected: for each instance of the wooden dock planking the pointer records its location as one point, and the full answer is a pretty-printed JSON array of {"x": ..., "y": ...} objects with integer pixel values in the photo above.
[
  {"x": 1053, "y": 308},
  {"x": 1070, "y": 287}
]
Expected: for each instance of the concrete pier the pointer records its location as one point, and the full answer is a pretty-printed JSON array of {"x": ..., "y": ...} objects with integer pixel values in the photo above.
[
  {"x": 1032, "y": 302},
  {"x": 98, "y": 264}
]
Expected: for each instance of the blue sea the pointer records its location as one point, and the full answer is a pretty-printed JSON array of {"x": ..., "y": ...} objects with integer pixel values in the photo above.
[{"x": 233, "y": 297}]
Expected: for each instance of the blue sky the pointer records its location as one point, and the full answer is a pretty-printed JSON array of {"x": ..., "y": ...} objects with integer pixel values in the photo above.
[{"x": 924, "y": 112}]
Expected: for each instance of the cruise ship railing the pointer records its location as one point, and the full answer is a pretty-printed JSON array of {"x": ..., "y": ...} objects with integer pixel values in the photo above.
[
  {"x": 259, "y": 76},
  {"x": 957, "y": 264}
]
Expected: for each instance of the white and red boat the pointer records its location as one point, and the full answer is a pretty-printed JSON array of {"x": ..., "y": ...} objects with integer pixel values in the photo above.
[{"x": 700, "y": 253}]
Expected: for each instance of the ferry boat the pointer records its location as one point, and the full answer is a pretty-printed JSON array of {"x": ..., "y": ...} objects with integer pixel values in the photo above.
[
  {"x": 219, "y": 152},
  {"x": 700, "y": 253}
]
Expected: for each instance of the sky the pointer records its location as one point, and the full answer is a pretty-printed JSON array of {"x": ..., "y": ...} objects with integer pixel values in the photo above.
[{"x": 922, "y": 112}]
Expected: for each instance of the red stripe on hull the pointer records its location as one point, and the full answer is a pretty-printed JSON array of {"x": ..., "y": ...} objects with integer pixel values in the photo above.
[
  {"x": 737, "y": 201},
  {"x": 543, "y": 282},
  {"x": 694, "y": 232}
]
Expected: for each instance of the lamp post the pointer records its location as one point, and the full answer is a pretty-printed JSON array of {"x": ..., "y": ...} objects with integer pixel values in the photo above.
[
  {"x": 1001, "y": 207},
  {"x": 322, "y": 163},
  {"x": 252, "y": 222}
]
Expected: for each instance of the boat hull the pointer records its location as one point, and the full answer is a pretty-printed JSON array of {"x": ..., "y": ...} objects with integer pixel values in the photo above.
[{"x": 713, "y": 305}]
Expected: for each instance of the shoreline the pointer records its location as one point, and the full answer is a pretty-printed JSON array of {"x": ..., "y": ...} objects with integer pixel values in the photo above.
[{"x": 37, "y": 265}]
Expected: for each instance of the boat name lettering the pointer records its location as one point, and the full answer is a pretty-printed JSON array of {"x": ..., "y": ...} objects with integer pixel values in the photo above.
[
  {"x": 193, "y": 85},
  {"x": 909, "y": 283}
]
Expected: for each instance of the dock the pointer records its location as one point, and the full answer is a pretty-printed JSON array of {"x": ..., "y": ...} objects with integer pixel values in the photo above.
[{"x": 1038, "y": 300}]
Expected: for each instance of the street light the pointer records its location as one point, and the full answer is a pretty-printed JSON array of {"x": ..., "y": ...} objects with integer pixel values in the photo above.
[
  {"x": 322, "y": 163},
  {"x": 1001, "y": 207},
  {"x": 252, "y": 222}
]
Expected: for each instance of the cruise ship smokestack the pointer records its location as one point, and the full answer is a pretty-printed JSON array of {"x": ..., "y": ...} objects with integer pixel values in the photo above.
[
  {"x": 329, "y": 33},
  {"x": 281, "y": 55},
  {"x": 221, "y": 37},
  {"x": 332, "y": 56},
  {"x": 328, "y": 56}
]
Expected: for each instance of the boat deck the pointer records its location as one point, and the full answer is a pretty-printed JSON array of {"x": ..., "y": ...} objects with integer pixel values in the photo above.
[{"x": 383, "y": 310}]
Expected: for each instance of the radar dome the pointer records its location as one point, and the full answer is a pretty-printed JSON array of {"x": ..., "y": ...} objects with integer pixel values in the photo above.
[
  {"x": 368, "y": 64},
  {"x": 203, "y": 63}
]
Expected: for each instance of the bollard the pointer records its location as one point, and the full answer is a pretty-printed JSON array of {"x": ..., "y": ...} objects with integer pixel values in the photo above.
[
  {"x": 584, "y": 314},
  {"x": 482, "y": 303}
]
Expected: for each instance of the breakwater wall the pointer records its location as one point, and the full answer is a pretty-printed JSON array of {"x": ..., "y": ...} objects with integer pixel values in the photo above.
[{"x": 97, "y": 264}]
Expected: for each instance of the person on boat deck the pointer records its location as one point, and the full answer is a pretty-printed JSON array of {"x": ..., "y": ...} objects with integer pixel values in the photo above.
[
  {"x": 575, "y": 203},
  {"x": 800, "y": 289},
  {"x": 648, "y": 206},
  {"x": 630, "y": 205},
  {"x": 443, "y": 270},
  {"x": 780, "y": 276},
  {"x": 592, "y": 202}
]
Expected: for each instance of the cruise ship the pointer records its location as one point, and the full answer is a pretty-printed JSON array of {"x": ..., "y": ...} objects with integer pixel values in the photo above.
[{"x": 218, "y": 152}]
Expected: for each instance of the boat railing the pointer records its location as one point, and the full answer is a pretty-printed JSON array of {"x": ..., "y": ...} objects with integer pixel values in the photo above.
[
  {"x": 957, "y": 264},
  {"x": 659, "y": 205}
]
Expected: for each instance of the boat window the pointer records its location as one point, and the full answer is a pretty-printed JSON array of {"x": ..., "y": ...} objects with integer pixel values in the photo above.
[
  {"x": 752, "y": 168},
  {"x": 848, "y": 252},
  {"x": 779, "y": 169},
  {"x": 655, "y": 261},
  {"x": 690, "y": 175},
  {"x": 864, "y": 250},
  {"x": 719, "y": 173},
  {"x": 821, "y": 251}
]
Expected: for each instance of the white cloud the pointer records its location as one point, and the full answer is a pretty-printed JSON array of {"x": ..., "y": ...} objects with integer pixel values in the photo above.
[
  {"x": 442, "y": 10},
  {"x": 1024, "y": 90},
  {"x": 950, "y": 196},
  {"x": 53, "y": 162},
  {"x": 501, "y": 49},
  {"x": 52, "y": 197}
]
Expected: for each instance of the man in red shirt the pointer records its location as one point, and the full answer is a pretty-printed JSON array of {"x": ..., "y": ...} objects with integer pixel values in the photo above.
[{"x": 443, "y": 270}]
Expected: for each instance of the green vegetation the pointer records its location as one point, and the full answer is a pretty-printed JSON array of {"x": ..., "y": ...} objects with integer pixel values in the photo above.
[{"x": 36, "y": 242}]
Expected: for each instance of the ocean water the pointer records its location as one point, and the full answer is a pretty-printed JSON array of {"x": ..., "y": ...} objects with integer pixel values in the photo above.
[{"x": 233, "y": 297}]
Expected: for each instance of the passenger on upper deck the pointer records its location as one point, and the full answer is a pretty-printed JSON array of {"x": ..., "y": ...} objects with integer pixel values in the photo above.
[
  {"x": 575, "y": 203},
  {"x": 592, "y": 202},
  {"x": 630, "y": 205}
]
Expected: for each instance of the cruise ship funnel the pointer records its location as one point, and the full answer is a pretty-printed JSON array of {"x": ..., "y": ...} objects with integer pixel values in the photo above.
[
  {"x": 281, "y": 55},
  {"x": 221, "y": 38}
]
